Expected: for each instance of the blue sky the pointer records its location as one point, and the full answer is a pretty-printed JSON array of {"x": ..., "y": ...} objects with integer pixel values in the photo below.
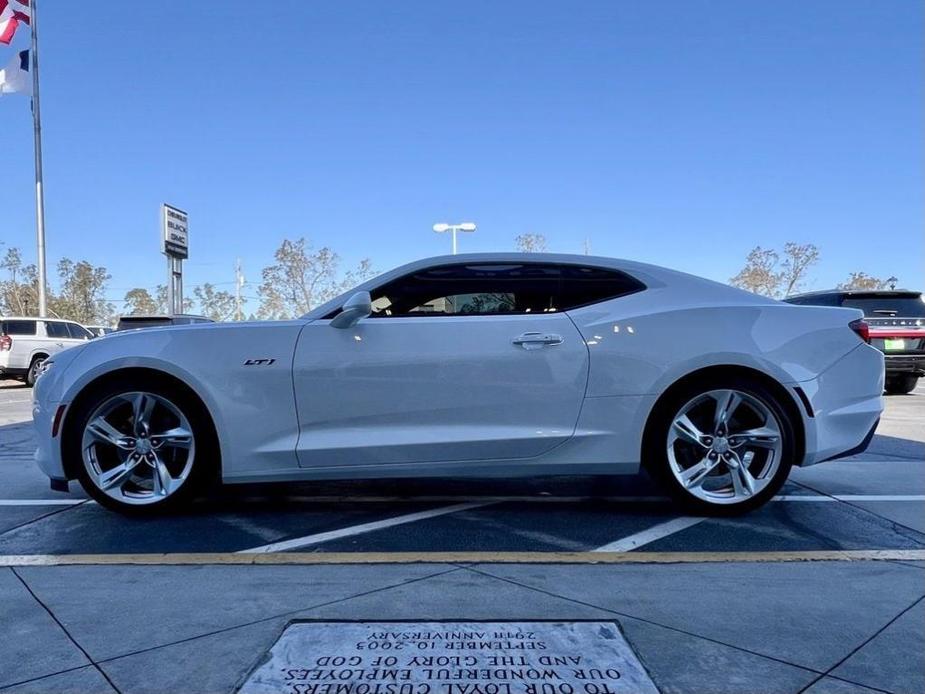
[{"x": 677, "y": 132}]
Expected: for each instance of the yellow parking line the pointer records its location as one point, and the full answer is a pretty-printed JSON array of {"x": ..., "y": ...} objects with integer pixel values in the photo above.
[{"x": 315, "y": 558}]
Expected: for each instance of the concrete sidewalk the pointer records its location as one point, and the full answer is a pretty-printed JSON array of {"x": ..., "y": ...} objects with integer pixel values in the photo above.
[{"x": 710, "y": 628}]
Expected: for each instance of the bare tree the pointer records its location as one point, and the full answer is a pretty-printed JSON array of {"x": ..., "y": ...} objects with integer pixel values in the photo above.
[
  {"x": 760, "y": 272},
  {"x": 530, "y": 243},
  {"x": 217, "y": 305},
  {"x": 765, "y": 273},
  {"x": 302, "y": 278},
  {"x": 861, "y": 280},
  {"x": 798, "y": 258}
]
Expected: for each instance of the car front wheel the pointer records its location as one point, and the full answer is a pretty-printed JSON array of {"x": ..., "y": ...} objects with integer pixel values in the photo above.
[
  {"x": 724, "y": 448},
  {"x": 141, "y": 448}
]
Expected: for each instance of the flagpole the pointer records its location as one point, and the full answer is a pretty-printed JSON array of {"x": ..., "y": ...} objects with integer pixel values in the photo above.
[{"x": 39, "y": 192}]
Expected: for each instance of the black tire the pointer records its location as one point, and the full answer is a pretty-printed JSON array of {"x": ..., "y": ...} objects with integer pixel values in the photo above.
[
  {"x": 206, "y": 451},
  {"x": 901, "y": 385},
  {"x": 655, "y": 454},
  {"x": 33, "y": 374}
]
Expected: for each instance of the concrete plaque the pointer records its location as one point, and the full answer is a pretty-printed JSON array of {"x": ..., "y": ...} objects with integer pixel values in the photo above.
[{"x": 450, "y": 658}]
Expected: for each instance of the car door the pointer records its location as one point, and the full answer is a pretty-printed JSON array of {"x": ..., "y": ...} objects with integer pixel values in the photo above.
[
  {"x": 461, "y": 362},
  {"x": 77, "y": 334},
  {"x": 58, "y": 337}
]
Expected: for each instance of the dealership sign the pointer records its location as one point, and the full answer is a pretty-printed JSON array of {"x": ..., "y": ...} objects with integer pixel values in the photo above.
[{"x": 174, "y": 232}]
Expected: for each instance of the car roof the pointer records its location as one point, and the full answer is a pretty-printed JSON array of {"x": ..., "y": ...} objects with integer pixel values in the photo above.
[
  {"x": 46, "y": 318},
  {"x": 651, "y": 275}
]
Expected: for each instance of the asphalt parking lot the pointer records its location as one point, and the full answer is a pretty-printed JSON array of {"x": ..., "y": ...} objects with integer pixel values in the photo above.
[{"x": 822, "y": 590}]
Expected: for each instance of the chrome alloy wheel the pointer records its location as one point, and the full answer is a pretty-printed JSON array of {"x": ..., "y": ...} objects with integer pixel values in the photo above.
[
  {"x": 724, "y": 446},
  {"x": 138, "y": 448}
]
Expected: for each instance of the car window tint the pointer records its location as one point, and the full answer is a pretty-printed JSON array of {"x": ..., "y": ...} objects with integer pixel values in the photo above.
[
  {"x": 473, "y": 290},
  {"x": 17, "y": 327},
  {"x": 78, "y": 331},
  {"x": 887, "y": 306},
  {"x": 815, "y": 300},
  {"x": 582, "y": 286},
  {"x": 57, "y": 330},
  {"x": 499, "y": 288}
]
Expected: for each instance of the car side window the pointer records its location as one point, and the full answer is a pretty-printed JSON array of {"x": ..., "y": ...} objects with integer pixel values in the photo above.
[
  {"x": 17, "y": 327},
  {"x": 78, "y": 332},
  {"x": 56, "y": 329},
  {"x": 471, "y": 290},
  {"x": 583, "y": 286},
  {"x": 499, "y": 288}
]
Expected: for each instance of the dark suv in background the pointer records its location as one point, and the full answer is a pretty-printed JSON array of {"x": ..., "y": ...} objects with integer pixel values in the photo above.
[{"x": 897, "y": 328}]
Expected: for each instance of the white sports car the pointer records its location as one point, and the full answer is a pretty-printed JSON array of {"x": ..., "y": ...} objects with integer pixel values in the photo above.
[{"x": 472, "y": 365}]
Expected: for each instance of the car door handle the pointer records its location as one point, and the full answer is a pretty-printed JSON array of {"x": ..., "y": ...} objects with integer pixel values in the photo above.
[
  {"x": 59, "y": 344},
  {"x": 537, "y": 340}
]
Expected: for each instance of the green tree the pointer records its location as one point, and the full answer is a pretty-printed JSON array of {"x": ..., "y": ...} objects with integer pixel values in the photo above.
[
  {"x": 139, "y": 302},
  {"x": 160, "y": 294},
  {"x": 19, "y": 290},
  {"x": 217, "y": 305},
  {"x": 82, "y": 294},
  {"x": 302, "y": 278}
]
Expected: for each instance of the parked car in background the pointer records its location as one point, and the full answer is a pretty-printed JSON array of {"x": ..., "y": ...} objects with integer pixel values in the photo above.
[
  {"x": 100, "y": 330},
  {"x": 897, "y": 328},
  {"x": 26, "y": 342},
  {"x": 159, "y": 321},
  {"x": 507, "y": 364}
]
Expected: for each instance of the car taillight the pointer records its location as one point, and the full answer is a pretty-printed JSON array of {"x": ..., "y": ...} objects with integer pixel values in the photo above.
[
  {"x": 6, "y": 343},
  {"x": 862, "y": 328}
]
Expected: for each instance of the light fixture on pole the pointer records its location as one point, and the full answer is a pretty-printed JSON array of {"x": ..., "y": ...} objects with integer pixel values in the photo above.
[{"x": 443, "y": 228}]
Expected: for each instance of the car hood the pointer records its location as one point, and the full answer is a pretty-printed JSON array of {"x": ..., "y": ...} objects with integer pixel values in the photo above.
[{"x": 198, "y": 326}]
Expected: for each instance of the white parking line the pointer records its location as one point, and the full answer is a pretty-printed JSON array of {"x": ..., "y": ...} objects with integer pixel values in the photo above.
[
  {"x": 656, "y": 532},
  {"x": 318, "y": 538},
  {"x": 851, "y": 497},
  {"x": 41, "y": 502}
]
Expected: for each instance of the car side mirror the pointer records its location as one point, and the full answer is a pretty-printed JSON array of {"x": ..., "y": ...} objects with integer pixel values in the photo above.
[{"x": 356, "y": 307}]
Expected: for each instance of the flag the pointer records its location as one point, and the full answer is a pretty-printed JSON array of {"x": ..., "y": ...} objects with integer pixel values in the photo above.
[
  {"x": 15, "y": 76},
  {"x": 12, "y": 12}
]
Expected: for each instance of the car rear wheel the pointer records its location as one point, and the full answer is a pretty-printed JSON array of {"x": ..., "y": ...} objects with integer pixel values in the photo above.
[
  {"x": 723, "y": 448},
  {"x": 141, "y": 447},
  {"x": 900, "y": 385}
]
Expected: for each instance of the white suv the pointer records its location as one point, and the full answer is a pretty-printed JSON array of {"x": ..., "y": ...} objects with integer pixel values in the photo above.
[{"x": 26, "y": 342}]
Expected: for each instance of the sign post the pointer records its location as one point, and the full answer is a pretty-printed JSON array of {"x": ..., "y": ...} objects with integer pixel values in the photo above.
[{"x": 175, "y": 245}]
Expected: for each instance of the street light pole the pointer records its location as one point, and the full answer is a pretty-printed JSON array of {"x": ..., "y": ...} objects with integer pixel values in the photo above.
[
  {"x": 442, "y": 228},
  {"x": 39, "y": 185}
]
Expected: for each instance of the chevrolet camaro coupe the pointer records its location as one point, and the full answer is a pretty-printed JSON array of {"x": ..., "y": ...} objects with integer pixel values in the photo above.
[{"x": 472, "y": 365}]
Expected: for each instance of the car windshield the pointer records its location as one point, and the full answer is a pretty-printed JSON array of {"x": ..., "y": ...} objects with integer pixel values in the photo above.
[{"x": 888, "y": 306}]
